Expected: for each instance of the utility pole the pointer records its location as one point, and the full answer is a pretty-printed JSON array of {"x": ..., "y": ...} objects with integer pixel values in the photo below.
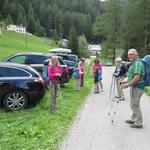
[{"x": 26, "y": 31}]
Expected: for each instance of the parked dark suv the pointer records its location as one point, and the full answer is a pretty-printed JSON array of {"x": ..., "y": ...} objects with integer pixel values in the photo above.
[
  {"x": 36, "y": 61},
  {"x": 19, "y": 85},
  {"x": 70, "y": 65},
  {"x": 70, "y": 57}
]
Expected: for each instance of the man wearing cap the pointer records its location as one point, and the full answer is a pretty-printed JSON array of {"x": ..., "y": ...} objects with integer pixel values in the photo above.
[
  {"x": 135, "y": 81},
  {"x": 119, "y": 74}
]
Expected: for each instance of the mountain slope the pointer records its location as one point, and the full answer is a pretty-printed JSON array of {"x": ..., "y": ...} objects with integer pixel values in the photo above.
[{"x": 12, "y": 42}]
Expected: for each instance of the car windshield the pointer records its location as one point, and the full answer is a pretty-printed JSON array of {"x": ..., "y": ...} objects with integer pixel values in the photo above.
[
  {"x": 69, "y": 63},
  {"x": 61, "y": 62},
  {"x": 73, "y": 58}
]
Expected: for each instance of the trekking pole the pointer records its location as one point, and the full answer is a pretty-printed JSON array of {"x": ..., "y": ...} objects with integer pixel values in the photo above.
[
  {"x": 111, "y": 86},
  {"x": 110, "y": 94},
  {"x": 112, "y": 91},
  {"x": 113, "y": 101}
]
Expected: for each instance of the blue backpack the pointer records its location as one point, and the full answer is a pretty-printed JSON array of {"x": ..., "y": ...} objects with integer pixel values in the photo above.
[
  {"x": 99, "y": 76},
  {"x": 146, "y": 63},
  {"x": 45, "y": 71},
  {"x": 75, "y": 73}
]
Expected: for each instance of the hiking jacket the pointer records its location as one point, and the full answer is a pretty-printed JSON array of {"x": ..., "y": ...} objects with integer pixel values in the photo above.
[
  {"x": 96, "y": 67},
  {"x": 137, "y": 67},
  {"x": 82, "y": 66},
  {"x": 54, "y": 72},
  {"x": 120, "y": 70}
]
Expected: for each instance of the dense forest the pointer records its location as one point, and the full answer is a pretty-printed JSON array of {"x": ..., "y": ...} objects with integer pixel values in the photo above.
[
  {"x": 117, "y": 24},
  {"x": 52, "y": 17},
  {"x": 125, "y": 24}
]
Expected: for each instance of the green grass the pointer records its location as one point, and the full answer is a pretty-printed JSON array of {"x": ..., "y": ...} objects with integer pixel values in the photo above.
[
  {"x": 147, "y": 90},
  {"x": 37, "y": 128},
  {"x": 12, "y": 43}
]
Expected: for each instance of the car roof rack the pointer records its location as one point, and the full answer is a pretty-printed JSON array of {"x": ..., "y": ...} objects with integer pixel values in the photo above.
[{"x": 60, "y": 50}]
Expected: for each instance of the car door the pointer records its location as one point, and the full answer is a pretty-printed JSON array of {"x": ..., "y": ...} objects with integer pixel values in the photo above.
[
  {"x": 4, "y": 85},
  {"x": 36, "y": 62}
]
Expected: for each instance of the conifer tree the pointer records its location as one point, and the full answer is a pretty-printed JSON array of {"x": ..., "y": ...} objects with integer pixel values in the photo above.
[{"x": 73, "y": 44}]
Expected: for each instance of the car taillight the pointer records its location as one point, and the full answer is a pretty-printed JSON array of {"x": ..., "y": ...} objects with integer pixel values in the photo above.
[{"x": 40, "y": 80}]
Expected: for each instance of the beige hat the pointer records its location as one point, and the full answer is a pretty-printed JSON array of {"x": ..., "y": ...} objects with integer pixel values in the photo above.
[{"x": 118, "y": 59}]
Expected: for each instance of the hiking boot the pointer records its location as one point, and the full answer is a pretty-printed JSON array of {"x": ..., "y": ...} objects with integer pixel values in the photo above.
[
  {"x": 121, "y": 99},
  {"x": 136, "y": 126},
  {"x": 129, "y": 122}
]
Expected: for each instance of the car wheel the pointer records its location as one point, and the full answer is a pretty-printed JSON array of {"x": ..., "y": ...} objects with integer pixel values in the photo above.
[{"x": 15, "y": 100}]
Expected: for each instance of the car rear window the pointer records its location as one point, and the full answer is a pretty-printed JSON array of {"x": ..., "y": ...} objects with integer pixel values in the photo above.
[
  {"x": 15, "y": 72},
  {"x": 34, "y": 72},
  {"x": 36, "y": 59}
]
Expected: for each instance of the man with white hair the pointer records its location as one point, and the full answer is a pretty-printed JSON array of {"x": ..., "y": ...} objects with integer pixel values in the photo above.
[
  {"x": 119, "y": 75},
  {"x": 136, "y": 83}
]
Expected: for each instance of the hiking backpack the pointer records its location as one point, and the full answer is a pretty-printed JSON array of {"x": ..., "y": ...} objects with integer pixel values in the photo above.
[
  {"x": 45, "y": 69},
  {"x": 98, "y": 76},
  {"x": 75, "y": 73},
  {"x": 146, "y": 63}
]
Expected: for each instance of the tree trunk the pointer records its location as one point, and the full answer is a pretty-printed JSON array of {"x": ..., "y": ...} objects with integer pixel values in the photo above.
[
  {"x": 114, "y": 54},
  {"x": 145, "y": 41},
  {"x": 146, "y": 32}
]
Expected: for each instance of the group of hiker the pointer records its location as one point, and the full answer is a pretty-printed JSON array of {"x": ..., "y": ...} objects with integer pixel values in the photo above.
[
  {"x": 136, "y": 76},
  {"x": 54, "y": 73},
  {"x": 132, "y": 76},
  {"x": 54, "y": 76}
]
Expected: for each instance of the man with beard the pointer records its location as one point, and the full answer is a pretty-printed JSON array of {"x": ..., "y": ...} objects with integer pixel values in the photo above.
[{"x": 136, "y": 83}]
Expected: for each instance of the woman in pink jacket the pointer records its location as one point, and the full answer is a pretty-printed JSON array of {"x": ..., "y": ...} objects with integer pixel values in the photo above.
[
  {"x": 97, "y": 74},
  {"x": 54, "y": 74}
]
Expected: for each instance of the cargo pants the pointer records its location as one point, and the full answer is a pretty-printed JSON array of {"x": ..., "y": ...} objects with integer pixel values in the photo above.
[
  {"x": 135, "y": 96},
  {"x": 119, "y": 90}
]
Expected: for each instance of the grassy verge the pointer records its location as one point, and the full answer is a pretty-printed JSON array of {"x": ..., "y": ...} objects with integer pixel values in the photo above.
[
  {"x": 12, "y": 43},
  {"x": 37, "y": 128},
  {"x": 147, "y": 90}
]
